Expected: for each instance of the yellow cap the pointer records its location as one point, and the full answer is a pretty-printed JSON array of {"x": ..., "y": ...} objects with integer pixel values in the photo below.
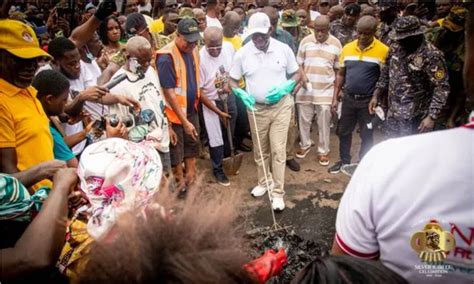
[{"x": 20, "y": 40}]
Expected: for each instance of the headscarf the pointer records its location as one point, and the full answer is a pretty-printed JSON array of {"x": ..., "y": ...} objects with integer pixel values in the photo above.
[{"x": 117, "y": 176}]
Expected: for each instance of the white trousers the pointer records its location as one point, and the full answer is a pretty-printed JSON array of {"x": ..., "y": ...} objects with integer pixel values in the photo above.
[{"x": 305, "y": 119}]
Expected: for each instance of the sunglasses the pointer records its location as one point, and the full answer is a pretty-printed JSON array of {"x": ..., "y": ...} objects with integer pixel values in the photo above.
[{"x": 214, "y": 48}]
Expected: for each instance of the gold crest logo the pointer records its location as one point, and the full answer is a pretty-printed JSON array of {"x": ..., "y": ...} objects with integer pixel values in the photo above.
[
  {"x": 432, "y": 244},
  {"x": 439, "y": 75}
]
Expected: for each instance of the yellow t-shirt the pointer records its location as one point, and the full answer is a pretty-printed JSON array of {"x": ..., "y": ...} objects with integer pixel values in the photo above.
[
  {"x": 157, "y": 26},
  {"x": 25, "y": 127},
  {"x": 236, "y": 41}
]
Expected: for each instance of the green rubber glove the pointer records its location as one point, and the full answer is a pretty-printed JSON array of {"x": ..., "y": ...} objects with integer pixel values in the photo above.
[
  {"x": 277, "y": 93},
  {"x": 248, "y": 100}
]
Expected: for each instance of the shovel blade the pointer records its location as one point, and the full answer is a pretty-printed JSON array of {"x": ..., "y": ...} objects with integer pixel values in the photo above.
[{"x": 232, "y": 165}]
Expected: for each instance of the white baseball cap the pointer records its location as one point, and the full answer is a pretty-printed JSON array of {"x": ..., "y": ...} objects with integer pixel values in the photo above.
[{"x": 258, "y": 23}]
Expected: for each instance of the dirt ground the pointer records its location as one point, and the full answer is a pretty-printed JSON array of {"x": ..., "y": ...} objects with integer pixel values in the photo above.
[
  {"x": 312, "y": 198},
  {"x": 312, "y": 195}
]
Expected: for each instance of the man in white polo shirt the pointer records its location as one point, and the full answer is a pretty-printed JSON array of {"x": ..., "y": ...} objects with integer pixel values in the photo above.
[
  {"x": 318, "y": 56},
  {"x": 265, "y": 63}
]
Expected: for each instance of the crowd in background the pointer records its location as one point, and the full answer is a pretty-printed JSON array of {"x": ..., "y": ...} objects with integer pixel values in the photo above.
[{"x": 132, "y": 92}]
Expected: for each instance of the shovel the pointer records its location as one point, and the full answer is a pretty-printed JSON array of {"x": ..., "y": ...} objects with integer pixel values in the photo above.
[{"x": 231, "y": 164}]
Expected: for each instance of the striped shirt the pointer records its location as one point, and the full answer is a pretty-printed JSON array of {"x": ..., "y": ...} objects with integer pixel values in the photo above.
[{"x": 318, "y": 61}]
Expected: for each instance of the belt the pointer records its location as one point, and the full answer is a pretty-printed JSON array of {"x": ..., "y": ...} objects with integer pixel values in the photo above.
[
  {"x": 359, "y": 96},
  {"x": 264, "y": 104}
]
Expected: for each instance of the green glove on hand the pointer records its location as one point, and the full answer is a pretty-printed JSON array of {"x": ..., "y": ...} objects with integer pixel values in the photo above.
[
  {"x": 276, "y": 93},
  {"x": 248, "y": 100}
]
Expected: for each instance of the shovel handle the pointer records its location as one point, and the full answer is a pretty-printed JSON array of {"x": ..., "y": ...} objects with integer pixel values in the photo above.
[{"x": 229, "y": 131}]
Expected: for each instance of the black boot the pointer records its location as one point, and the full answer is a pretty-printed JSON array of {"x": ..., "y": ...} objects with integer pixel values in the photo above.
[{"x": 217, "y": 155}]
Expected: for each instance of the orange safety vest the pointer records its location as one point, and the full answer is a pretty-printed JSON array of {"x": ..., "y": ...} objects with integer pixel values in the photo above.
[{"x": 181, "y": 87}]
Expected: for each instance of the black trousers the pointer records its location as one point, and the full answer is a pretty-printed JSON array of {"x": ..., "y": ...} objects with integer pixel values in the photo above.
[
  {"x": 354, "y": 111},
  {"x": 242, "y": 128},
  {"x": 232, "y": 108}
]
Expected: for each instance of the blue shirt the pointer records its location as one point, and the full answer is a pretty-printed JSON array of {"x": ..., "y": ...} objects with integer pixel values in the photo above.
[
  {"x": 61, "y": 150},
  {"x": 167, "y": 77}
]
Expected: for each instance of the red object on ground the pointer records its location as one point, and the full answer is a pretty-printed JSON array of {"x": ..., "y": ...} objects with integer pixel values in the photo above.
[{"x": 268, "y": 265}]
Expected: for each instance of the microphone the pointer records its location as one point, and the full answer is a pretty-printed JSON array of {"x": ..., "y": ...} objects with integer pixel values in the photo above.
[{"x": 116, "y": 81}]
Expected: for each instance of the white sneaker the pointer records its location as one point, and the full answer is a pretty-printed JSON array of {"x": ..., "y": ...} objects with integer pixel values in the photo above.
[
  {"x": 278, "y": 204},
  {"x": 260, "y": 190}
]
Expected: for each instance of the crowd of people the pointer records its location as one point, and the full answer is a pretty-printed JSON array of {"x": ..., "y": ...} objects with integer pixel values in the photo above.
[{"x": 104, "y": 103}]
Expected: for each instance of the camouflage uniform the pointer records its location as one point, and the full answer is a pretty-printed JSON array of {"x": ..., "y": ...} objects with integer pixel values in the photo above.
[
  {"x": 382, "y": 33},
  {"x": 417, "y": 86},
  {"x": 343, "y": 33},
  {"x": 302, "y": 33},
  {"x": 162, "y": 40},
  {"x": 384, "y": 29},
  {"x": 449, "y": 38}
]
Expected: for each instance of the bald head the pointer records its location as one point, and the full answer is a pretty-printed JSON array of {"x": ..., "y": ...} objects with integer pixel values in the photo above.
[
  {"x": 137, "y": 43},
  {"x": 367, "y": 22},
  {"x": 322, "y": 21},
  {"x": 368, "y": 11},
  {"x": 272, "y": 13},
  {"x": 198, "y": 12},
  {"x": 213, "y": 41},
  {"x": 231, "y": 24},
  {"x": 301, "y": 12},
  {"x": 231, "y": 17},
  {"x": 139, "y": 48},
  {"x": 336, "y": 12},
  {"x": 213, "y": 34}
]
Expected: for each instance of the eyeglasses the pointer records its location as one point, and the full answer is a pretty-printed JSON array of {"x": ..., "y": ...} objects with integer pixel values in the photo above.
[{"x": 214, "y": 48}]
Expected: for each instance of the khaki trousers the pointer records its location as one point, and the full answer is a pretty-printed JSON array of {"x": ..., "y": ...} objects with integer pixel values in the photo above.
[
  {"x": 292, "y": 136},
  {"x": 272, "y": 123}
]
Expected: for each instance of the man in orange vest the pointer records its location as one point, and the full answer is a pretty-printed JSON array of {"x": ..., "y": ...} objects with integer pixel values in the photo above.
[{"x": 178, "y": 70}]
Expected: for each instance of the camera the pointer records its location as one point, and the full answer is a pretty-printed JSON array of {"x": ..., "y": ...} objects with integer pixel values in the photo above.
[{"x": 114, "y": 120}]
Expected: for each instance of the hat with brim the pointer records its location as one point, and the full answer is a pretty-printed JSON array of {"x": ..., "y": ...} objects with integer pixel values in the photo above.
[
  {"x": 407, "y": 27},
  {"x": 289, "y": 19},
  {"x": 192, "y": 37},
  {"x": 259, "y": 23},
  {"x": 188, "y": 28},
  {"x": 29, "y": 52},
  {"x": 20, "y": 40}
]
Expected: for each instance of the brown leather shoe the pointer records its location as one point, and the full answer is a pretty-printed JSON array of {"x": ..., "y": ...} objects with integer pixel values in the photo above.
[{"x": 323, "y": 160}]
